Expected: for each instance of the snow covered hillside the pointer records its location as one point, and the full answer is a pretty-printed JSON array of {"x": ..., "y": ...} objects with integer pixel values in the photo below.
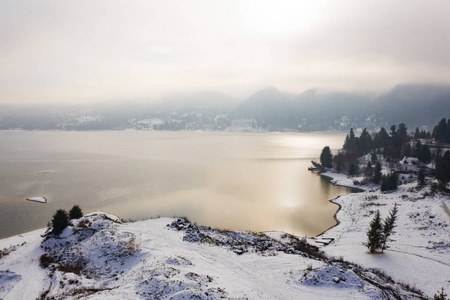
[
  {"x": 419, "y": 253},
  {"x": 99, "y": 257}
]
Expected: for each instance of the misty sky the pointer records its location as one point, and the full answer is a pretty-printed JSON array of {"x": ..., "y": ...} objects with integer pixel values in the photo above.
[{"x": 83, "y": 51}]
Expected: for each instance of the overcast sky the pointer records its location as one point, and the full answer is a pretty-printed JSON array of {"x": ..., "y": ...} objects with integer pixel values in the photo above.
[{"x": 83, "y": 51}]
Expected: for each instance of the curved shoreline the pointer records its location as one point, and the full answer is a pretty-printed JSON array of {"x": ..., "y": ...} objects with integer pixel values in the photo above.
[
  {"x": 356, "y": 190},
  {"x": 334, "y": 216}
]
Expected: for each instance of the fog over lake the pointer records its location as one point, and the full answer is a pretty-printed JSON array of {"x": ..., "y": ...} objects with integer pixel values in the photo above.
[{"x": 242, "y": 181}]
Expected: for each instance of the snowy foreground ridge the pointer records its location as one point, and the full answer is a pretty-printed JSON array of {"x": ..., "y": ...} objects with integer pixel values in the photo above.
[{"x": 100, "y": 257}]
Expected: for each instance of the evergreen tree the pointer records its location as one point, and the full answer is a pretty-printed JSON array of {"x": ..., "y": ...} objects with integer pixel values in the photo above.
[
  {"x": 417, "y": 149},
  {"x": 351, "y": 142},
  {"x": 375, "y": 234},
  {"x": 60, "y": 221},
  {"x": 441, "y": 131},
  {"x": 425, "y": 154},
  {"x": 381, "y": 138},
  {"x": 393, "y": 132},
  {"x": 402, "y": 133},
  {"x": 368, "y": 170},
  {"x": 421, "y": 177},
  {"x": 443, "y": 170},
  {"x": 389, "y": 182},
  {"x": 365, "y": 142},
  {"x": 417, "y": 133},
  {"x": 75, "y": 212},
  {"x": 352, "y": 169},
  {"x": 326, "y": 158},
  {"x": 377, "y": 173},
  {"x": 425, "y": 134},
  {"x": 388, "y": 226},
  {"x": 398, "y": 136},
  {"x": 406, "y": 151},
  {"x": 392, "y": 179}
]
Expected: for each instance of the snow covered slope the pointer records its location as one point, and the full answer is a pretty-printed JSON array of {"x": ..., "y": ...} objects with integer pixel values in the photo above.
[
  {"x": 99, "y": 257},
  {"x": 419, "y": 253}
]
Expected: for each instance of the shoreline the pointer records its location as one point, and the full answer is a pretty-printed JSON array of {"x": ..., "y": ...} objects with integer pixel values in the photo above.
[
  {"x": 334, "y": 217},
  {"x": 338, "y": 222}
]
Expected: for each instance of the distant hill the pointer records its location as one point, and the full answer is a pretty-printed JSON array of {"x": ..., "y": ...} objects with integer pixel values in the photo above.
[
  {"x": 314, "y": 103},
  {"x": 316, "y": 109},
  {"x": 270, "y": 108},
  {"x": 414, "y": 105}
]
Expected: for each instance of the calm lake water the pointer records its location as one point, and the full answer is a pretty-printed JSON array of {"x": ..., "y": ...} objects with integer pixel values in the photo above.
[{"x": 241, "y": 181}]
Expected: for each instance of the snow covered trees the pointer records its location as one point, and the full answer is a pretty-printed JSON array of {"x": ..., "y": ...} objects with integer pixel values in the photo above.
[{"x": 379, "y": 231}]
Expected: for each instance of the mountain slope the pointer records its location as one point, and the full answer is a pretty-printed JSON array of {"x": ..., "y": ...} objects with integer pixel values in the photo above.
[{"x": 270, "y": 107}]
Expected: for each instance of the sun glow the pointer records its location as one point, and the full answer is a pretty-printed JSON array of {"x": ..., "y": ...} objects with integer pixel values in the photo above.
[{"x": 280, "y": 18}]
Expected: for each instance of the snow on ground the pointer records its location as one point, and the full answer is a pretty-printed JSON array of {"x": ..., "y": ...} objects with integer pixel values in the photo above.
[
  {"x": 20, "y": 273},
  {"x": 419, "y": 253},
  {"x": 99, "y": 257}
]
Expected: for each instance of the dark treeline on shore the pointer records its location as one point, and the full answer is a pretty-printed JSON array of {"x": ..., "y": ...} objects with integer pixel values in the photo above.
[{"x": 428, "y": 153}]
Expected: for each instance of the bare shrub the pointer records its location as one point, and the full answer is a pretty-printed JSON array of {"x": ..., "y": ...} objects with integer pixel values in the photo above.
[{"x": 132, "y": 245}]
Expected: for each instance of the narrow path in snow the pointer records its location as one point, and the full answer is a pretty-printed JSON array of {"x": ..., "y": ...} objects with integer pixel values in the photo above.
[{"x": 421, "y": 256}]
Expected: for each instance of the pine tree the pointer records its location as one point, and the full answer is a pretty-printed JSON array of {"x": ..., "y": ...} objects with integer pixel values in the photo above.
[
  {"x": 440, "y": 131},
  {"x": 421, "y": 177},
  {"x": 75, "y": 212},
  {"x": 389, "y": 182},
  {"x": 352, "y": 169},
  {"x": 406, "y": 150},
  {"x": 388, "y": 226},
  {"x": 417, "y": 133},
  {"x": 443, "y": 170},
  {"x": 60, "y": 221},
  {"x": 365, "y": 142},
  {"x": 375, "y": 234},
  {"x": 393, "y": 179},
  {"x": 425, "y": 154},
  {"x": 351, "y": 142},
  {"x": 417, "y": 149},
  {"x": 381, "y": 138},
  {"x": 326, "y": 158}
]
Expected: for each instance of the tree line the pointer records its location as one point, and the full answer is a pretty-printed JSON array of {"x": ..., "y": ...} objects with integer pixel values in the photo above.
[{"x": 391, "y": 146}]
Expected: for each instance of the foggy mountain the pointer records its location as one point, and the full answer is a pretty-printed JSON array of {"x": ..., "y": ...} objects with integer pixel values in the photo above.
[
  {"x": 267, "y": 109},
  {"x": 414, "y": 105},
  {"x": 270, "y": 108}
]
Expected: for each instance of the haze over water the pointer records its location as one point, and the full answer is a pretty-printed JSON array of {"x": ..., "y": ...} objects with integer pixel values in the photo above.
[{"x": 240, "y": 181}]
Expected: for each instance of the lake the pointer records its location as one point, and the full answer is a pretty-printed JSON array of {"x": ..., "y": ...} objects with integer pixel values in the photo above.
[{"x": 229, "y": 180}]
